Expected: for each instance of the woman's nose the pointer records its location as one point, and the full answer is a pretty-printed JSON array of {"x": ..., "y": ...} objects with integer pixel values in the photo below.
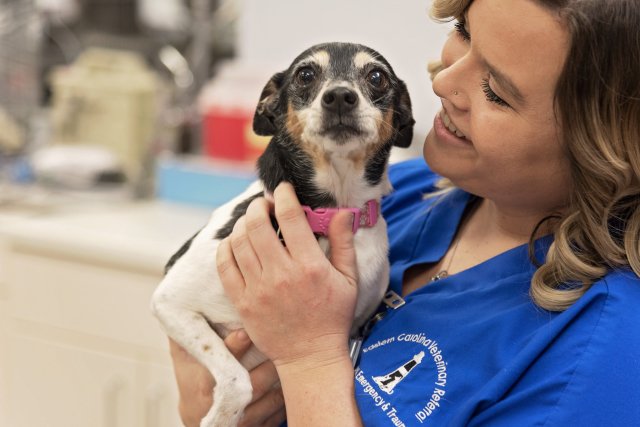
[
  {"x": 451, "y": 82},
  {"x": 453, "y": 49}
]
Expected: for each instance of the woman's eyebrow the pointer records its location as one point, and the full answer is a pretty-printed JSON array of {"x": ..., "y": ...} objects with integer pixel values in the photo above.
[
  {"x": 505, "y": 83},
  {"x": 501, "y": 79}
]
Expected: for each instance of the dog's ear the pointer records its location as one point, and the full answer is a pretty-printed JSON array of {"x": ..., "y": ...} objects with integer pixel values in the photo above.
[
  {"x": 264, "y": 119},
  {"x": 404, "y": 118}
]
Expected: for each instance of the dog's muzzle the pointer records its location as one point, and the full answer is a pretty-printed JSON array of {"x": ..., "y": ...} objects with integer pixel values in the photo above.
[{"x": 339, "y": 105}]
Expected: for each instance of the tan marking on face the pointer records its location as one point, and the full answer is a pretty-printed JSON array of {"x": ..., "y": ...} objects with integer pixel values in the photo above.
[
  {"x": 363, "y": 58},
  {"x": 321, "y": 58},
  {"x": 295, "y": 126},
  {"x": 385, "y": 133},
  {"x": 385, "y": 126}
]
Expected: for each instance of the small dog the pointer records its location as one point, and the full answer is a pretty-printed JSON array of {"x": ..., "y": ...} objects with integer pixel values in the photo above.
[{"x": 334, "y": 115}]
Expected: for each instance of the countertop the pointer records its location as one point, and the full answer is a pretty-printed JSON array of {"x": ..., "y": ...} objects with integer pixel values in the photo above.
[{"x": 139, "y": 235}]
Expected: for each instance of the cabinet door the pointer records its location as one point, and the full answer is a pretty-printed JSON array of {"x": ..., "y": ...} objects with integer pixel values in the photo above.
[
  {"x": 82, "y": 348},
  {"x": 160, "y": 397},
  {"x": 93, "y": 299},
  {"x": 4, "y": 421},
  {"x": 58, "y": 385}
]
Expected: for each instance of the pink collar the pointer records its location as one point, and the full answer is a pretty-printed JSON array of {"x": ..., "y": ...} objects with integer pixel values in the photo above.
[{"x": 319, "y": 218}]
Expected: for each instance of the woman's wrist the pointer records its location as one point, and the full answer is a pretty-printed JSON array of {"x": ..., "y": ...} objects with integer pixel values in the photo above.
[
  {"x": 313, "y": 364},
  {"x": 320, "y": 391},
  {"x": 316, "y": 353}
]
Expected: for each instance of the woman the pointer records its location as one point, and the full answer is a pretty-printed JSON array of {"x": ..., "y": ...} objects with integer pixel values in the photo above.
[{"x": 520, "y": 284}]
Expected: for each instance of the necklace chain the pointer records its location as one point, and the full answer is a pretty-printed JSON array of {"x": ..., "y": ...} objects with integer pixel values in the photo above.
[{"x": 445, "y": 273}]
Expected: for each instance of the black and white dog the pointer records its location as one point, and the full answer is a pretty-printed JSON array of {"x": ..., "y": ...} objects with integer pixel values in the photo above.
[{"x": 334, "y": 114}]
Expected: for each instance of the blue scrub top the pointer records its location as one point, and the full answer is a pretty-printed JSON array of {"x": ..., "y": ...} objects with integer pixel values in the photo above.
[{"x": 472, "y": 349}]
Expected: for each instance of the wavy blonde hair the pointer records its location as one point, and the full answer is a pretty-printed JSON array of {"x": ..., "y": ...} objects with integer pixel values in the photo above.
[{"x": 597, "y": 103}]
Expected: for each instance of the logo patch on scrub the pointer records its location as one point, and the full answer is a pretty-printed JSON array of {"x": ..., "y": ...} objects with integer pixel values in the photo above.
[
  {"x": 382, "y": 389},
  {"x": 389, "y": 381}
]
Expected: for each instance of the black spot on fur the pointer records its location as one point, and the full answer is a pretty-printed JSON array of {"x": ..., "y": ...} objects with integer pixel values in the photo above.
[
  {"x": 175, "y": 257},
  {"x": 284, "y": 160},
  {"x": 238, "y": 211},
  {"x": 377, "y": 165}
]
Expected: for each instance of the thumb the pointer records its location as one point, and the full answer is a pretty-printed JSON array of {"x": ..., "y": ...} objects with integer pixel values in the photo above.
[
  {"x": 238, "y": 342},
  {"x": 343, "y": 254}
]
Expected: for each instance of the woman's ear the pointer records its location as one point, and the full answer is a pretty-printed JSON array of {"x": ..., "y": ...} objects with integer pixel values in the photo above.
[{"x": 264, "y": 119}]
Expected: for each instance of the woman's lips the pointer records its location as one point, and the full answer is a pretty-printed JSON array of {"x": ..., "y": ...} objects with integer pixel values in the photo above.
[
  {"x": 449, "y": 124},
  {"x": 446, "y": 131}
]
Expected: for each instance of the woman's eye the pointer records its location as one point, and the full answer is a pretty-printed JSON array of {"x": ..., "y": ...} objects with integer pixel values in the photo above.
[
  {"x": 461, "y": 29},
  {"x": 377, "y": 79},
  {"x": 491, "y": 95},
  {"x": 306, "y": 75}
]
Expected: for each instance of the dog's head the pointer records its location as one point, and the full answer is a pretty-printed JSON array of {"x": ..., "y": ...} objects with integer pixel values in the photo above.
[{"x": 336, "y": 95}]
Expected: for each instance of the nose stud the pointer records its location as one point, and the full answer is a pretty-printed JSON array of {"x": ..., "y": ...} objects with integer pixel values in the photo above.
[{"x": 455, "y": 93}]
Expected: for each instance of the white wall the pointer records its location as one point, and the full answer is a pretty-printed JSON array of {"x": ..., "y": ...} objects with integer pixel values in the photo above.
[{"x": 273, "y": 32}]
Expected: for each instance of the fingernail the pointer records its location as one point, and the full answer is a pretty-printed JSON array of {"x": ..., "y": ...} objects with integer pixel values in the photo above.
[{"x": 349, "y": 221}]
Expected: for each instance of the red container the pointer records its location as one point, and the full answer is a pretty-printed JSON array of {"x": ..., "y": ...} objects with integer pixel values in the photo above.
[{"x": 228, "y": 134}]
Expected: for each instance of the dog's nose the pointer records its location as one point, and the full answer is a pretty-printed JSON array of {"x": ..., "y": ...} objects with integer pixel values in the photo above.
[{"x": 340, "y": 100}]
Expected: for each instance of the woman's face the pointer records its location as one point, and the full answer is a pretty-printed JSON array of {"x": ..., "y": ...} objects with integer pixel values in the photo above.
[{"x": 497, "y": 89}]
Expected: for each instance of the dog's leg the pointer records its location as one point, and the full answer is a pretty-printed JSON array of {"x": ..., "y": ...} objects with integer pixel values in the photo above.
[{"x": 190, "y": 330}]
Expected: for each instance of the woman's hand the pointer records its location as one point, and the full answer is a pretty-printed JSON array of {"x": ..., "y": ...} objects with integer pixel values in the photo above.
[
  {"x": 195, "y": 385},
  {"x": 296, "y": 305}
]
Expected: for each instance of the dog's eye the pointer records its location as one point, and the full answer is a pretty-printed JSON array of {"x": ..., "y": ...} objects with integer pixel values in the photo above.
[
  {"x": 306, "y": 75},
  {"x": 377, "y": 79}
]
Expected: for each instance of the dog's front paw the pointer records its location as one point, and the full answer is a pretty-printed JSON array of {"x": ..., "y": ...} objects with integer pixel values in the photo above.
[
  {"x": 231, "y": 396},
  {"x": 223, "y": 416},
  {"x": 222, "y": 419}
]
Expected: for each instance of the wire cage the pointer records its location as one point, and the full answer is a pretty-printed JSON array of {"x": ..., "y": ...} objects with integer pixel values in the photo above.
[{"x": 20, "y": 38}]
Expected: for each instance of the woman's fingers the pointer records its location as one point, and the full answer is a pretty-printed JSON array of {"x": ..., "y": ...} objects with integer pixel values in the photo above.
[
  {"x": 264, "y": 378},
  {"x": 195, "y": 386},
  {"x": 229, "y": 272},
  {"x": 300, "y": 240},
  {"x": 276, "y": 419},
  {"x": 252, "y": 245},
  {"x": 267, "y": 405},
  {"x": 268, "y": 410},
  {"x": 262, "y": 236},
  {"x": 244, "y": 253},
  {"x": 238, "y": 342},
  {"x": 343, "y": 252}
]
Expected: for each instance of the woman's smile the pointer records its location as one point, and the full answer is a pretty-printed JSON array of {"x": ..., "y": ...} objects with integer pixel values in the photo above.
[
  {"x": 449, "y": 124},
  {"x": 447, "y": 132}
]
